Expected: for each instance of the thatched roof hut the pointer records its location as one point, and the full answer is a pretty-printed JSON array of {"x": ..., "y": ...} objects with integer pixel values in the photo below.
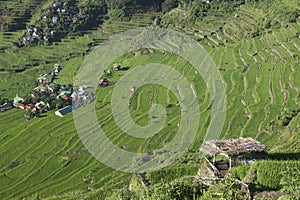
[{"x": 233, "y": 147}]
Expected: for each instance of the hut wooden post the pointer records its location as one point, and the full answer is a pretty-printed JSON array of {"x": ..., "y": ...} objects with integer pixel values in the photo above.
[{"x": 232, "y": 149}]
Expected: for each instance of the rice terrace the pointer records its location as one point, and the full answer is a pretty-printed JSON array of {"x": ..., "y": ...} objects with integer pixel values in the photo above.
[{"x": 203, "y": 104}]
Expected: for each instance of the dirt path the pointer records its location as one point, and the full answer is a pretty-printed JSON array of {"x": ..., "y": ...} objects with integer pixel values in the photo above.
[
  {"x": 243, "y": 100},
  {"x": 262, "y": 57},
  {"x": 282, "y": 90},
  {"x": 242, "y": 59},
  {"x": 270, "y": 86},
  {"x": 282, "y": 45},
  {"x": 274, "y": 49}
]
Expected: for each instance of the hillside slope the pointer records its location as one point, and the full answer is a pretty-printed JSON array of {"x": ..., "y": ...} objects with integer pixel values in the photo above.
[{"x": 45, "y": 158}]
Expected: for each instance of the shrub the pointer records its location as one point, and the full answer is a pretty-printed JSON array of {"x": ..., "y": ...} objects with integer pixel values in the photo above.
[
  {"x": 175, "y": 190},
  {"x": 270, "y": 173},
  {"x": 169, "y": 5},
  {"x": 226, "y": 189},
  {"x": 170, "y": 174},
  {"x": 240, "y": 172},
  {"x": 290, "y": 182}
]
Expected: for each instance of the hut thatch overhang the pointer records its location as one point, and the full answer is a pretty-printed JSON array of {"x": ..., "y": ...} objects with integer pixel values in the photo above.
[
  {"x": 237, "y": 151},
  {"x": 233, "y": 147}
]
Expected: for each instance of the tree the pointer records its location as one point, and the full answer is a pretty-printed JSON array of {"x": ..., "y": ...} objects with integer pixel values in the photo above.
[
  {"x": 112, "y": 4},
  {"x": 226, "y": 189},
  {"x": 290, "y": 182},
  {"x": 174, "y": 190},
  {"x": 168, "y": 5},
  {"x": 94, "y": 8}
]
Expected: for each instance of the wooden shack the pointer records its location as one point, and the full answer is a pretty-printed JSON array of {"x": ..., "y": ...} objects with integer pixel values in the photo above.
[
  {"x": 244, "y": 150},
  {"x": 221, "y": 155}
]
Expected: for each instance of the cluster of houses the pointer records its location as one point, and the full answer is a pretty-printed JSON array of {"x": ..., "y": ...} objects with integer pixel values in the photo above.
[
  {"x": 55, "y": 20},
  {"x": 48, "y": 95}
]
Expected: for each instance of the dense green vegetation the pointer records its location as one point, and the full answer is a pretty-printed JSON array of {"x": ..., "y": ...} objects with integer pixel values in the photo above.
[
  {"x": 255, "y": 45},
  {"x": 271, "y": 174}
]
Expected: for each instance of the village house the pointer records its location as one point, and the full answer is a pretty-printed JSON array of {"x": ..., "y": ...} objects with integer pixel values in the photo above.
[
  {"x": 5, "y": 105},
  {"x": 52, "y": 32},
  {"x": 221, "y": 155},
  {"x": 45, "y": 78},
  {"x": 44, "y": 88},
  {"x": 35, "y": 34},
  {"x": 55, "y": 19},
  {"x": 103, "y": 82},
  {"x": 132, "y": 88},
  {"x": 56, "y": 69},
  {"x": 63, "y": 111},
  {"x": 116, "y": 67},
  {"x": 81, "y": 97},
  {"x": 17, "y": 100}
]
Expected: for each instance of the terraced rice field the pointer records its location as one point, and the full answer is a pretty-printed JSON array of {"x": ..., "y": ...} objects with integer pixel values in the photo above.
[
  {"x": 45, "y": 156},
  {"x": 258, "y": 72},
  {"x": 53, "y": 158},
  {"x": 58, "y": 162}
]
